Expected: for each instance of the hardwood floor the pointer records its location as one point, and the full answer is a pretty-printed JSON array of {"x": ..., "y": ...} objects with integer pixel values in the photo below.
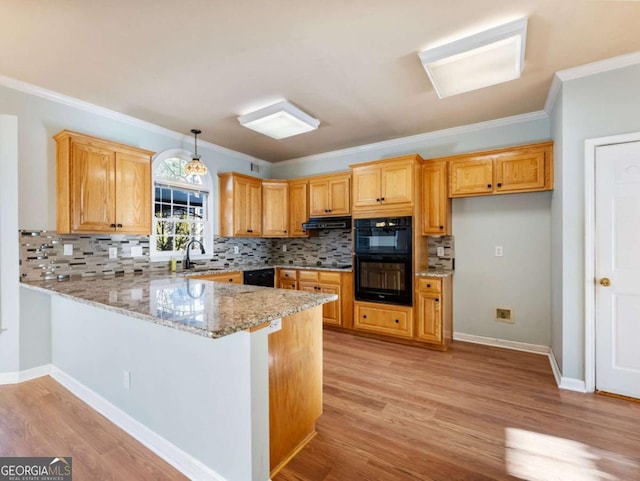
[
  {"x": 41, "y": 418},
  {"x": 472, "y": 413},
  {"x": 391, "y": 413}
]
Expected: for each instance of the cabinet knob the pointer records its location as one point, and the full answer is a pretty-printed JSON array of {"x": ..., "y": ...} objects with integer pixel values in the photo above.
[
  {"x": 119, "y": 225},
  {"x": 489, "y": 186},
  {"x": 437, "y": 299},
  {"x": 382, "y": 198},
  {"x": 249, "y": 231},
  {"x": 428, "y": 285},
  {"x": 499, "y": 184},
  {"x": 285, "y": 231},
  {"x": 113, "y": 226},
  {"x": 378, "y": 200},
  {"x": 397, "y": 321},
  {"x": 304, "y": 230},
  {"x": 330, "y": 210},
  {"x": 441, "y": 227},
  {"x": 230, "y": 280},
  {"x": 364, "y": 316}
]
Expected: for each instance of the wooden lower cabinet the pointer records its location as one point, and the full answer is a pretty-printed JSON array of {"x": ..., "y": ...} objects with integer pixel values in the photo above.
[
  {"x": 434, "y": 311},
  {"x": 295, "y": 385},
  {"x": 337, "y": 313},
  {"x": 386, "y": 319},
  {"x": 229, "y": 277}
]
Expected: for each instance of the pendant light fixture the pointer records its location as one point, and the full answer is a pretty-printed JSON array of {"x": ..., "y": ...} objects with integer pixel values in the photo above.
[{"x": 195, "y": 167}]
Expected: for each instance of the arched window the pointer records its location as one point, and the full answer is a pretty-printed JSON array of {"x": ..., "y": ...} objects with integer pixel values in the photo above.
[{"x": 182, "y": 207}]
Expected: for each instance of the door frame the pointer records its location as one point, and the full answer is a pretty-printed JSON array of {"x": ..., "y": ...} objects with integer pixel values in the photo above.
[{"x": 590, "y": 146}]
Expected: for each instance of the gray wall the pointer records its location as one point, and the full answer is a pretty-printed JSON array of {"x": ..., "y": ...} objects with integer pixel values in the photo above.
[
  {"x": 35, "y": 329},
  {"x": 596, "y": 106}
]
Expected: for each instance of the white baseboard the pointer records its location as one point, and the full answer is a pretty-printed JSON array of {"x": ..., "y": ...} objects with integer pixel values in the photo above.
[
  {"x": 568, "y": 383},
  {"x": 490, "y": 341},
  {"x": 26, "y": 375},
  {"x": 182, "y": 461}
]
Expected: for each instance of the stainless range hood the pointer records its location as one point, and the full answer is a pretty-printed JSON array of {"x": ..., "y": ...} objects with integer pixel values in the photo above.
[{"x": 317, "y": 223}]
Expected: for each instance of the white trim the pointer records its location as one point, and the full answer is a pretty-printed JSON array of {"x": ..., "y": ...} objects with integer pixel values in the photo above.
[
  {"x": 600, "y": 66},
  {"x": 491, "y": 341},
  {"x": 182, "y": 461},
  {"x": 567, "y": 383},
  {"x": 26, "y": 375},
  {"x": 590, "y": 146},
  {"x": 555, "y": 368},
  {"x": 419, "y": 138},
  {"x": 112, "y": 114},
  {"x": 586, "y": 70}
]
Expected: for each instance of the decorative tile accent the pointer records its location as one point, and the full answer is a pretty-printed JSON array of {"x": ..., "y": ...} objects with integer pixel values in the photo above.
[
  {"x": 448, "y": 261},
  {"x": 329, "y": 247}
]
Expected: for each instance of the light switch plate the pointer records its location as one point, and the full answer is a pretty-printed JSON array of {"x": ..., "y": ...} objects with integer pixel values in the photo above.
[
  {"x": 136, "y": 251},
  {"x": 68, "y": 250},
  {"x": 113, "y": 252},
  {"x": 499, "y": 251},
  {"x": 236, "y": 249},
  {"x": 284, "y": 247}
]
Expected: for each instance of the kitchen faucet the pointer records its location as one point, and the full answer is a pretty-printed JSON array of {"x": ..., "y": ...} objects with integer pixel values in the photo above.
[{"x": 187, "y": 261}]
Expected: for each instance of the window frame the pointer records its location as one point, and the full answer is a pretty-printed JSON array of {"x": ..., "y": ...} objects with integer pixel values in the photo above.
[{"x": 205, "y": 187}]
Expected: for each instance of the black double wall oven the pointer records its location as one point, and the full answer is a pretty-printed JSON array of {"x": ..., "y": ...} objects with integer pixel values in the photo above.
[{"x": 382, "y": 260}]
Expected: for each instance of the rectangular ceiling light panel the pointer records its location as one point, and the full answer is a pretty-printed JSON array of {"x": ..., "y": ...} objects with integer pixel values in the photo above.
[
  {"x": 487, "y": 58},
  {"x": 279, "y": 121}
]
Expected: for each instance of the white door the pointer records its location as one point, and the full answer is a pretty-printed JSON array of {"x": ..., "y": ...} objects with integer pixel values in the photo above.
[{"x": 617, "y": 281}]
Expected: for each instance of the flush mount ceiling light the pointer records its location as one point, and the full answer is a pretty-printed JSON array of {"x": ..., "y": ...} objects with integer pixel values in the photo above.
[
  {"x": 195, "y": 166},
  {"x": 486, "y": 58},
  {"x": 279, "y": 121}
]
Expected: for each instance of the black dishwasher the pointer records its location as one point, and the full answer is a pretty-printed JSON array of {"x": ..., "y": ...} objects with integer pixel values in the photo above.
[{"x": 260, "y": 277}]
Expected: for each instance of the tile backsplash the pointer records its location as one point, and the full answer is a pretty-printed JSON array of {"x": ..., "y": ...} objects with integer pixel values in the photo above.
[{"x": 42, "y": 253}]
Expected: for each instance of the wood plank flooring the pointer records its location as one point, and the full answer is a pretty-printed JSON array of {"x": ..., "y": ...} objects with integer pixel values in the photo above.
[
  {"x": 391, "y": 412},
  {"x": 472, "y": 413}
]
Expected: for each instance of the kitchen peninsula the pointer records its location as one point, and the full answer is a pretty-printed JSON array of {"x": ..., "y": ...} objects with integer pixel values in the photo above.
[{"x": 224, "y": 381}]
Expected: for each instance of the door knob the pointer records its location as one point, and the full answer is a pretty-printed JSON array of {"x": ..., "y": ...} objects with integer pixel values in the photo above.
[{"x": 605, "y": 281}]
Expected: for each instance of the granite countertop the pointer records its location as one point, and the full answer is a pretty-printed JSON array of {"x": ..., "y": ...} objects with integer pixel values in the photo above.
[
  {"x": 435, "y": 273},
  {"x": 206, "y": 308},
  {"x": 201, "y": 271}
]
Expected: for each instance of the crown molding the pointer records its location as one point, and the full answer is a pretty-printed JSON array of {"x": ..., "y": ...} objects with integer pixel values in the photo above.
[
  {"x": 419, "y": 138},
  {"x": 31, "y": 89},
  {"x": 586, "y": 70}
]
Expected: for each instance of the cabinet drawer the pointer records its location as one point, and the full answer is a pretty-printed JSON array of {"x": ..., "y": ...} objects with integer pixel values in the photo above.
[
  {"x": 308, "y": 276},
  {"x": 382, "y": 319},
  {"x": 430, "y": 284},
  {"x": 287, "y": 274},
  {"x": 329, "y": 277},
  {"x": 287, "y": 284},
  {"x": 231, "y": 277}
]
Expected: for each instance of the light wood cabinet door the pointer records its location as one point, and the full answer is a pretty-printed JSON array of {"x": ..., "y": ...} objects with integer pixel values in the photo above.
[
  {"x": 436, "y": 205},
  {"x": 287, "y": 284},
  {"x": 471, "y": 177},
  {"x": 340, "y": 195},
  {"x": 133, "y": 194},
  {"x": 396, "y": 183},
  {"x": 92, "y": 188},
  {"x": 229, "y": 277},
  {"x": 388, "y": 320},
  {"x": 298, "y": 208},
  {"x": 520, "y": 170},
  {"x": 429, "y": 325},
  {"x": 331, "y": 310},
  {"x": 366, "y": 186},
  {"x": 247, "y": 207},
  {"x": 275, "y": 209},
  {"x": 330, "y": 196}
]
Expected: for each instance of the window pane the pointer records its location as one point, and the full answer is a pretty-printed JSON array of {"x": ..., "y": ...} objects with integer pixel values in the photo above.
[
  {"x": 180, "y": 242},
  {"x": 164, "y": 228},
  {"x": 195, "y": 199},
  {"x": 183, "y": 228},
  {"x": 163, "y": 194},
  {"x": 197, "y": 230},
  {"x": 164, "y": 243}
]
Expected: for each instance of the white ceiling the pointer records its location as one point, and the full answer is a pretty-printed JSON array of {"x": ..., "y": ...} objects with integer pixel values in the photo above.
[{"x": 353, "y": 64}]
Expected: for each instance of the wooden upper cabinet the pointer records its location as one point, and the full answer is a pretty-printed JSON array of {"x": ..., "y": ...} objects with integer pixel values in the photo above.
[
  {"x": 330, "y": 195},
  {"x": 240, "y": 205},
  {"x": 102, "y": 186},
  {"x": 275, "y": 208},
  {"x": 527, "y": 168},
  {"x": 298, "y": 207},
  {"x": 436, "y": 205},
  {"x": 390, "y": 182}
]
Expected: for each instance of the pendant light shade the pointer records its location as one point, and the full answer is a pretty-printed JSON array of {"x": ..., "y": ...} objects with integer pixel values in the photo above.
[{"x": 195, "y": 167}]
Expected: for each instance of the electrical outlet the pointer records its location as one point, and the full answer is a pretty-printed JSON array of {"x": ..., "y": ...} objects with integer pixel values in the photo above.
[
  {"x": 113, "y": 252},
  {"x": 275, "y": 325},
  {"x": 236, "y": 249},
  {"x": 504, "y": 314},
  {"x": 499, "y": 251},
  {"x": 284, "y": 247},
  {"x": 440, "y": 251},
  {"x": 67, "y": 250},
  {"x": 126, "y": 379}
]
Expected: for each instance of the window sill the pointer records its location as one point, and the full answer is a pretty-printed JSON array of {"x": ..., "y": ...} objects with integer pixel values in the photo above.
[{"x": 160, "y": 257}]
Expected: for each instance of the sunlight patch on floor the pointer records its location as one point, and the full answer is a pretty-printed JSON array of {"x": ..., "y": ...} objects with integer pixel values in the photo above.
[{"x": 540, "y": 457}]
